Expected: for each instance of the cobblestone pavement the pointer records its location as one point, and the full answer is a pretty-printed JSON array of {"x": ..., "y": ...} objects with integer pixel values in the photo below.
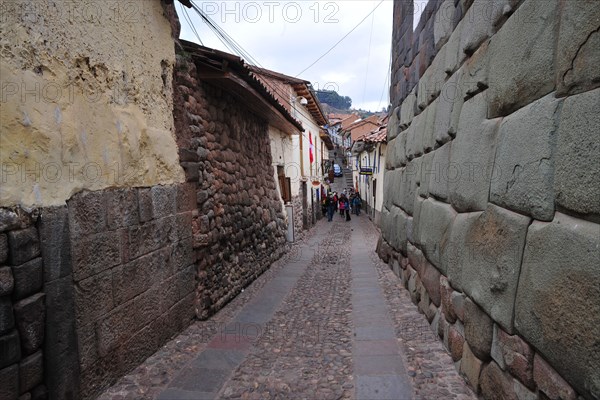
[{"x": 293, "y": 334}]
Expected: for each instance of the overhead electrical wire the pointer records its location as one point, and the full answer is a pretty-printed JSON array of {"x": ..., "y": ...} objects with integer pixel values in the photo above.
[
  {"x": 387, "y": 77},
  {"x": 237, "y": 49},
  {"x": 343, "y": 37},
  {"x": 189, "y": 21},
  {"x": 368, "y": 58}
]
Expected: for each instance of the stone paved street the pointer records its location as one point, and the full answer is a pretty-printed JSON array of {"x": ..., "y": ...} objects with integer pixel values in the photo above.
[{"x": 329, "y": 321}]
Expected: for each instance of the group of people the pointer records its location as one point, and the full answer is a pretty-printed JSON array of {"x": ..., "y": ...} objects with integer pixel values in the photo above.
[{"x": 345, "y": 204}]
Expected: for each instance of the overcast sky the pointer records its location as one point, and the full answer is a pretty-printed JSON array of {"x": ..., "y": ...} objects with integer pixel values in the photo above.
[{"x": 288, "y": 36}]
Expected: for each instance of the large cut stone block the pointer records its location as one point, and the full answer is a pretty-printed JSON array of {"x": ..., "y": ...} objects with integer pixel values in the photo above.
[
  {"x": 10, "y": 349},
  {"x": 7, "y": 281},
  {"x": 416, "y": 232},
  {"x": 457, "y": 253},
  {"x": 478, "y": 330},
  {"x": 407, "y": 111},
  {"x": 9, "y": 382},
  {"x": 577, "y": 56},
  {"x": 55, "y": 243},
  {"x": 430, "y": 277},
  {"x": 513, "y": 354},
  {"x": 454, "y": 54},
  {"x": 448, "y": 109},
  {"x": 522, "y": 57},
  {"x": 425, "y": 172},
  {"x": 475, "y": 72},
  {"x": 443, "y": 23},
  {"x": 393, "y": 229},
  {"x": 478, "y": 23},
  {"x": 393, "y": 126},
  {"x": 408, "y": 187},
  {"x": 559, "y": 295},
  {"x": 525, "y": 160},
  {"x": 31, "y": 372},
  {"x": 94, "y": 297},
  {"x": 429, "y": 142},
  {"x": 136, "y": 277},
  {"x": 28, "y": 278},
  {"x": 60, "y": 344},
  {"x": 442, "y": 172},
  {"x": 576, "y": 182},
  {"x": 396, "y": 152},
  {"x": 496, "y": 384},
  {"x": 24, "y": 245},
  {"x": 3, "y": 248},
  {"x": 490, "y": 262},
  {"x": 550, "y": 382},
  {"x": 96, "y": 253},
  {"x": 393, "y": 182},
  {"x": 472, "y": 157},
  {"x": 470, "y": 367},
  {"x": 7, "y": 319},
  {"x": 30, "y": 317},
  {"x": 122, "y": 208},
  {"x": 163, "y": 200},
  {"x": 87, "y": 213},
  {"x": 414, "y": 137},
  {"x": 434, "y": 226}
]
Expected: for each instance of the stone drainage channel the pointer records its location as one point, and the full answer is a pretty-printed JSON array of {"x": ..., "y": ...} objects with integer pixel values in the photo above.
[{"x": 317, "y": 326}]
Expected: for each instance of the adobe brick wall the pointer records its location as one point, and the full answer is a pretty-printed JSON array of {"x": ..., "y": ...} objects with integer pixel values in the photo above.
[
  {"x": 238, "y": 221},
  {"x": 491, "y": 203}
]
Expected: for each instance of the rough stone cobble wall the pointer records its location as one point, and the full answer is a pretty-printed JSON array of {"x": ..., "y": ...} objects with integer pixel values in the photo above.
[
  {"x": 133, "y": 275},
  {"x": 238, "y": 221},
  {"x": 491, "y": 211}
]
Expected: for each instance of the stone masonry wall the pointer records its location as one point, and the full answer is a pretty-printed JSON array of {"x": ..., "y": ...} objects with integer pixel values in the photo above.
[
  {"x": 22, "y": 307},
  {"x": 238, "y": 221},
  {"x": 491, "y": 198},
  {"x": 133, "y": 273},
  {"x": 90, "y": 289}
]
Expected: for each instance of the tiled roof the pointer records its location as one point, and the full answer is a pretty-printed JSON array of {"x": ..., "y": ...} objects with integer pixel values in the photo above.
[
  {"x": 378, "y": 135},
  {"x": 302, "y": 87},
  {"x": 219, "y": 63}
]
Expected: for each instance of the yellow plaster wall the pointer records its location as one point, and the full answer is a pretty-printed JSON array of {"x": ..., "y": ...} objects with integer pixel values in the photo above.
[{"x": 86, "y": 99}]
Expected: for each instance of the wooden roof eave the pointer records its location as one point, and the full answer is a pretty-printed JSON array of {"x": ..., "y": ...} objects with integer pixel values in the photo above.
[{"x": 229, "y": 81}]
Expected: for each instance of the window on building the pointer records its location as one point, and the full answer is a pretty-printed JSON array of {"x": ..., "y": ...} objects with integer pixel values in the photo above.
[{"x": 285, "y": 186}]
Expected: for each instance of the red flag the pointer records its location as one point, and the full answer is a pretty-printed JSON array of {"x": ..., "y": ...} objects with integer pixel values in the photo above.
[{"x": 310, "y": 149}]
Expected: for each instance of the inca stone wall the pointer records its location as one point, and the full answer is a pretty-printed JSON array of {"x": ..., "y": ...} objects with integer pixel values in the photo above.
[
  {"x": 492, "y": 203},
  {"x": 91, "y": 289},
  {"x": 238, "y": 223},
  {"x": 133, "y": 270},
  {"x": 22, "y": 307}
]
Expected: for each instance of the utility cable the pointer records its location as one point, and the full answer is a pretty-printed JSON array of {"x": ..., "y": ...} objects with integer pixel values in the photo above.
[
  {"x": 237, "y": 49},
  {"x": 189, "y": 21},
  {"x": 368, "y": 58},
  {"x": 387, "y": 77},
  {"x": 339, "y": 41}
]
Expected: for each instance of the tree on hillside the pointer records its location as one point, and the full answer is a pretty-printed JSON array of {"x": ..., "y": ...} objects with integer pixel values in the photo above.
[{"x": 332, "y": 98}]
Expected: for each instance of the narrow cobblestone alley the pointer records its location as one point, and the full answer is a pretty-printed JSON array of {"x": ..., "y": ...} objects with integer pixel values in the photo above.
[{"x": 329, "y": 321}]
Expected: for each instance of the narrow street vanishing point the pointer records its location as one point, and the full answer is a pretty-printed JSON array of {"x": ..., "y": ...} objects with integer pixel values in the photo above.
[{"x": 328, "y": 321}]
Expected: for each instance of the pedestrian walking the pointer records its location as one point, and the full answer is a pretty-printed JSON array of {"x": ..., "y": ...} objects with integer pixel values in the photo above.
[
  {"x": 342, "y": 204},
  {"x": 347, "y": 209},
  {"x": 356, "y": 203},
  {"x": 330, "y": 208}
]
